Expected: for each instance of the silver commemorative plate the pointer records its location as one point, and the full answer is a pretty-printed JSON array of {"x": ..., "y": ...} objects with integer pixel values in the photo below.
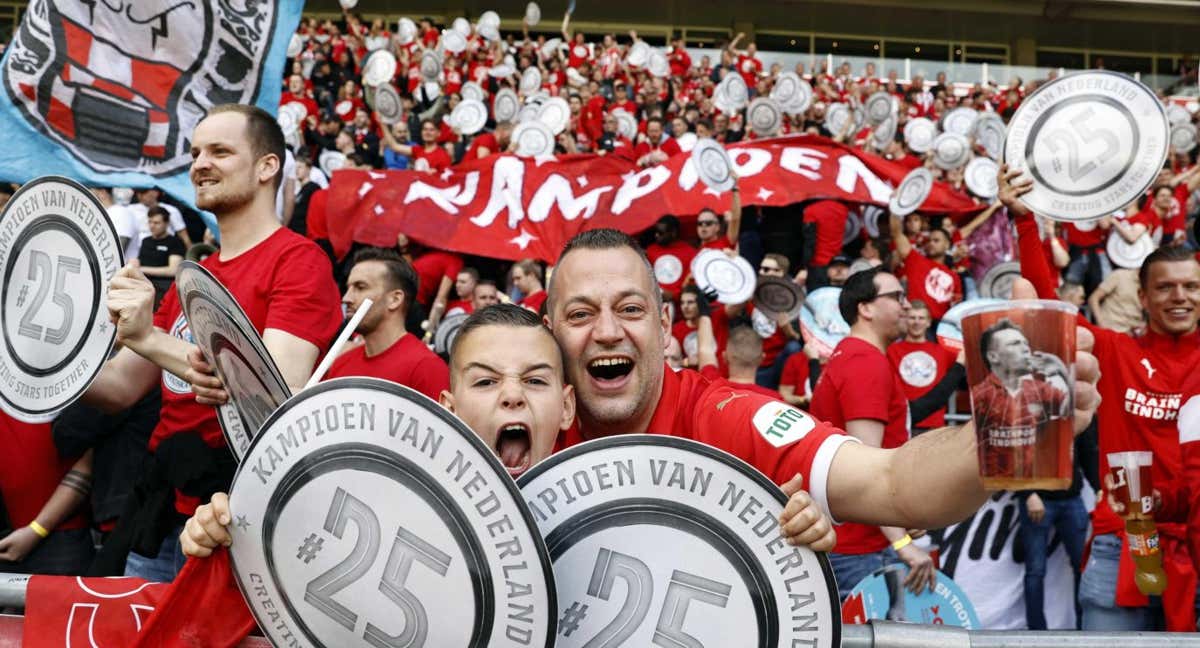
[
  {"x": 367, "y": 515},
  {"x": 912, "y": 191},
  {"x": 662, "y": 540},
  {"x": 58, "y": 249},
  {"x": 778, "y": 296},
  {"x": 230, "y": 342},
  {"x": 1092, "y": 142},
  {"x": 998, "y": 280},
  {"x": 732, "y": 277}
]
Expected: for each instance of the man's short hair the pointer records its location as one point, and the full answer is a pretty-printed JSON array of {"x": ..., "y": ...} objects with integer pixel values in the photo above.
[
  {"x": 472, "y": 272},
  {"x": 262, "y": 132},
  {"x": 158, "y": 210},
  {"x": 744, "y": 347},
  {"x": 510, "y": 315},
  {"x": 943, "y": 232},
  {"x": 918, "y": 304},
  {"x": 985, "y": 339},
  {"x": 670, "y": 221},
  {"x": 780, "y": 260},
  {"x": 399, "y": 272},
  {"x": 607, "y": 239},
  {"x": 531, "y": 267},
  {"x": 860, "y": 288},
  {"x": 1168, "y": 254}
]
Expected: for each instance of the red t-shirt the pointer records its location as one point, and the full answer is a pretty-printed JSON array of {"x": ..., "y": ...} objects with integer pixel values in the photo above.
[
  {"x": 749, "y": 67},
  {"x": 431, "y": 267},
  {"x": 921, "y": 365},
  {"x": 284, "y": 282},
  {"x": 795, "y": 373},
  {"x": 486, "y": 140},
  {"x": 672, "y": 264},
  {"x": 932, "y": 283},
  {"x": 534, "y": 301},
  {"x": 859, "y": 383},
  {"x": 666, "y": 145},
  {"x": 1091, "y": 236},
  {"x": 713, "y": 374},
  {"x": 830, "y": 217},
  {"x": 460, "y": 306},
  {"x": 317, "y": 220},
  {"x": 719, "y": 243},
  {"x": 408, "y": 362},
  {"x": 777, "y": 439},
  {"x": 30, "y": 470},
  {"x": 437, "y": 157},
  {"x": 720, "y": 326}
]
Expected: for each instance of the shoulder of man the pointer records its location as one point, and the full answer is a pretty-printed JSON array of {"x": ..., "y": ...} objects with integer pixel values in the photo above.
[{"x": 726, "y": 411}]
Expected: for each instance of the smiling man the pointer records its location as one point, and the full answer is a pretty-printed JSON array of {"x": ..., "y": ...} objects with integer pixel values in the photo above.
[
  {"x": 613, "y": 327},
  {"x": 282, "y": 281}
]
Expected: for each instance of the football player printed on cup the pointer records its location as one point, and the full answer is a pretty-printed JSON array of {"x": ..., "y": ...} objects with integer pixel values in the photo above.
[{"x": 1019, "y": 359}]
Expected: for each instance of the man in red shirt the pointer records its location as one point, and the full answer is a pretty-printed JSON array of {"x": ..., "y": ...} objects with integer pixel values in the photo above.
[
  {"x": 859, "y": 392},
  {"x": 437, "y": 270},
  {"x": 721, "y": 232},
  {"x": 282, "y": 281},
  {"x": 920, "y": 363},
  {"x": 929, "y": 280},
  {"x": 388, "y": 351},
  {"x": 612, "y": 327},
  {"x": 1141, "y": 395},
  {"x": 794, "y": 384},
  {"x": 486, "y": 145},
  {"x": 670, "y": 257},
  {"x": 824, "y": 227},
  {"x": 656, "y": 146},
  {"x": 743, "y": 354},
  {"x": 694, "y": 306},
  {"x": 297, "y": 93},
  {"x": 527, "y": 277},
  {"x": 464, "y": 290}
]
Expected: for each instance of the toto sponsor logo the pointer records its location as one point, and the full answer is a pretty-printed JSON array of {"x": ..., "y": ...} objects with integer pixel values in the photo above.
[
  {"x": 228, "y": 338},
  {"x": 363, "y": 513},
  {"x": 661, "y": 540},
  {"x": 58, "y": 249},
  {"x": 1091, "y": 141}
]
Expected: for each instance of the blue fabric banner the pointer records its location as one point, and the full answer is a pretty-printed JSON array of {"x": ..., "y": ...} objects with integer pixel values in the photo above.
[{"x": 107, "y": 92}]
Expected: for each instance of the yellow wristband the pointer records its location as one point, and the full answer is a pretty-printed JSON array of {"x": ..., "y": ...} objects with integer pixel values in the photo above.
[
  {"x": 39, "y": 529},
  {"x": 902, "y": 542}
]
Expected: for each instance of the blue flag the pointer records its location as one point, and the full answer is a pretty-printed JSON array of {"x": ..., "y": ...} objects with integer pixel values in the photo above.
[{"x": 108, "y": 92}]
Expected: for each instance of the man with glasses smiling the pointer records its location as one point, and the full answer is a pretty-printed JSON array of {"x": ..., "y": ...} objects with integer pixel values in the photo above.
[
  {"x": 859, "y": 392},
  {"x": 717, "y": 232}
]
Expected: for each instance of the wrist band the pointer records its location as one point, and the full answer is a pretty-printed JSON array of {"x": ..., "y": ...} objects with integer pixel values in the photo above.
[
  {"x": 902, "y": 542},
  {"x": 39, "y": 529}
]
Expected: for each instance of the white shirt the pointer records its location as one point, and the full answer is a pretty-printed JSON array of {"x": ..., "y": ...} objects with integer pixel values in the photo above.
[{"x": 126, "y": 227}]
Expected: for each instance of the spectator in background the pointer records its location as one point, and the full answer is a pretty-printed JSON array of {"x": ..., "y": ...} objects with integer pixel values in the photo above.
[
  {"x": 122, "y": 219},
  {"x": 670, "y": 256},
  {"x": 160, "y": 254},
  {"x": 486, "y": 294},
  {"x": 527, "y": 277},
  {"x": 464, "y": 292},
  {"x": 859, "y": 392}
]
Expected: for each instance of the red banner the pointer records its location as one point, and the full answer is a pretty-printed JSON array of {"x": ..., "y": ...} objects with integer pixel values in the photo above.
[{"x": 513, "y": 208}]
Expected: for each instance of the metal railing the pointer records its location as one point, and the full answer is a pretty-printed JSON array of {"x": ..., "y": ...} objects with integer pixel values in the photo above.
[{"x": 876, "y": 634}]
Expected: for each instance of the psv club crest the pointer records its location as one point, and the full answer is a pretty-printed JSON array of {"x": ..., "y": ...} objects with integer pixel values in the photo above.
[{"x": 121, "y": 83}]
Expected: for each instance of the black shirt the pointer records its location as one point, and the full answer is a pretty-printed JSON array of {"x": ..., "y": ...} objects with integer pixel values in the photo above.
[{"x": 156, "y": 253}]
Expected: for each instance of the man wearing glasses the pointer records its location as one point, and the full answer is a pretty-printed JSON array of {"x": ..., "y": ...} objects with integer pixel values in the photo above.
[
  {"x": 715, "y": 234},
  {"x": 859, "y": 392}
]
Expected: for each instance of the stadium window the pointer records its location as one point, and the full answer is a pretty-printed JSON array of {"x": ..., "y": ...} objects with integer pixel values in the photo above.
[
  {"x": 845, "y": 46},
  {"x": 981, "y": 54},
  {"x": 1128, "y": 64},
  {"x": 1060, "y": 59},
  {"x": 782, "y": 42},
  {"x": 706, "y": 37}
]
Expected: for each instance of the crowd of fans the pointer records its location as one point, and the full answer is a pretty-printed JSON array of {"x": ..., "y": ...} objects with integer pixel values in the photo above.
[{"x": 936, "y": 262}]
